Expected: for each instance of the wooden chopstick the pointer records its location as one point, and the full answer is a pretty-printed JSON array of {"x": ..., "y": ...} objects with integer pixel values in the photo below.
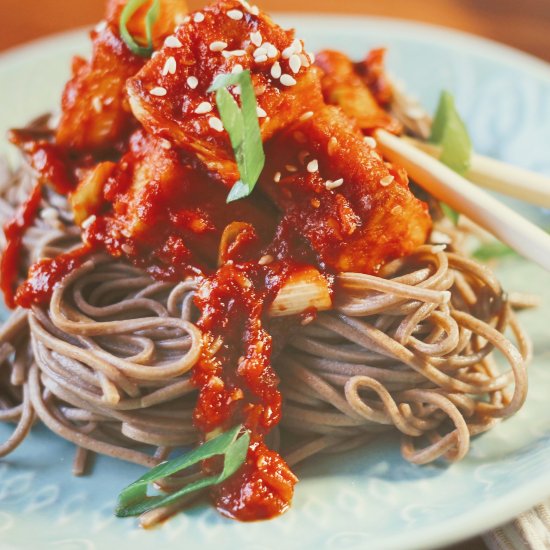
[
  {"x": 499, "y": 176},
  {"x": 520, "y": 234}
]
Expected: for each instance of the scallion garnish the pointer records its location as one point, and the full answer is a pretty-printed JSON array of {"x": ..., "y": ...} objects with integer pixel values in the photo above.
[
  {"x": 243, "y": 128},
  {"x": 231, "y": 445},
  {"x": 493, "y": 250},
  {"x": 150, "y": 19},
  {"x": 450, "y": 213},
  {"x": 451, "y": 134}
]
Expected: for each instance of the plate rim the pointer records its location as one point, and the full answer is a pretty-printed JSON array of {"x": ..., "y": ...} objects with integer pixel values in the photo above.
[{"x": 469, "y": 523}]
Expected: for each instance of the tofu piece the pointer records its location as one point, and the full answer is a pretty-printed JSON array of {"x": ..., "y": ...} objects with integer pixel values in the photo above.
[
  {"x": 169, "y": 95},
  {"x": 355, "y": 210}
]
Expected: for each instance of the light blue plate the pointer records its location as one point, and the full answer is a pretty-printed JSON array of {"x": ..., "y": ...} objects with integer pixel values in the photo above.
[{"x": 369, "y": 498}]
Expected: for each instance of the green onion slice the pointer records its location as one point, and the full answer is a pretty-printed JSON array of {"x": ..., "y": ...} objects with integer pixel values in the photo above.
[
  {"x": 492, "y": 251},
  {"x": 450, "y": 213},
  {"x": 232, "y": 445},
  {"x": 150, "y": 19},
  {"x": 243, "y": 128},
  {"x": 451, "y": 134}
]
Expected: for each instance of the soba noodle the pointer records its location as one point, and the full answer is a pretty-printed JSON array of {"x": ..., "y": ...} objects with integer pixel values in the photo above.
[{"x": 107, "y": 364}]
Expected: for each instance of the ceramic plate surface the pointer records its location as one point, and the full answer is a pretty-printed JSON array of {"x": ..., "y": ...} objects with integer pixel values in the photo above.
[{"x": 368, "y": 498}]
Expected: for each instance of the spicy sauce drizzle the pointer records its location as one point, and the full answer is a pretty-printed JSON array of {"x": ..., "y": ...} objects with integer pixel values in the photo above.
[
  {"x": 238, "y": 384},
  {"x": 14, "y": 232}
]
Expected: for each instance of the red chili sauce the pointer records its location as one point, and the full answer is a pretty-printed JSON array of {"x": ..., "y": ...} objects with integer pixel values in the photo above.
[
  {"x": 46, "y": 274},
  {"x": 238, "y": 384},
  {"x": 14, "y": 232}
]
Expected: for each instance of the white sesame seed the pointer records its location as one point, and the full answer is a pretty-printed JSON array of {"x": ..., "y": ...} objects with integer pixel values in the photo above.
[
  {"x": 311, "y": 56},
  {"x": 334, "y": 184},
  {"x": 272, "y": 51},
  {"x": 203, "y": 108},
  {"x": 192, "y": 82},
  {"x": 287, "y": 80},
  {"x": 127, "y": 249},
  {"x": 287, "y": 52},
  {"x": 260, "y": 112},
  {"x": 254, "y": 10},
  {"x": 291, "y": 168},
  {"x": 265, "y": 260},
  {"x": 165, "y": 144},
  {"x": 238, "y": 68},
  {"x": 276, "y": 70},
  {"x": 313, "y": 166},
  {"x": 97, "y": 104},
  {"x": 155, "y": 54},
  {"x": 306, "y": 116},
  {"x": 295, "y": 63},
  {"x": 101, "y": 26},
  {"x": 371, "y": 142},
  {"x": 387, "y": 180},
  {"x": 277, "y": 177},
  {"x": 173, "y": 42},
  {"x": 237, "y": 90},
  {"x": 297, "y": 45},
  {"x": 199, "y": 17},
  {"x": 261, "y": 50},
  {"x": 260, "y": 59},
  {"x": 256, "y": 38},
  {"x": 159, "y": 91},
  {"x": 169, "y": 67},
  {"x": 233, "y": 53},
  {"x": 439, "y": 248},
  {"x": 88, "y": 221},
  {"x": 235, "y": 14},
  {"x": 215, "y": 123},
  {"x": 218, "y": 46},
  {"x": 305, "y": 60},
  {"x": 186, "y": 19}
]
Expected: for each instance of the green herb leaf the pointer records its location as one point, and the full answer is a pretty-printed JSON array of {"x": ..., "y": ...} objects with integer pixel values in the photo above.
[
  {"x": 152, "y": 15},
  {"x": 243, "y": 128},
  {"x": 492, "y": 251},
  {"x": 451, "y": 134},
  {"x": 232, "y": 445},
  {"x": 450, "y": 213}
]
